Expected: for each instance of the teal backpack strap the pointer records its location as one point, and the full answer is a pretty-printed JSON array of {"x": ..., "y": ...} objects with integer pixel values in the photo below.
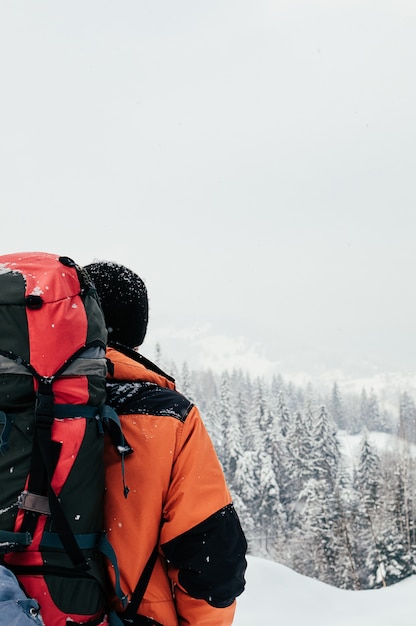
[
  {"x": 10, "y": 541},
  {"x": 130, "y": 615},
  {"x": 114, "y": 619},
  {"x": 80, "y": 410},
  {"x": 98, "y": 541},
  {"x": 76, "y": 410},
  {"x": 107, "y": 549},
  {"x": 112, "y": 423},
  {"x": 85, "y": 541}
]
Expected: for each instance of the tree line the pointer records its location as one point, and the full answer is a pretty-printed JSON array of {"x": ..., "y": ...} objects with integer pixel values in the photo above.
[{"x": 347, "y": 518}]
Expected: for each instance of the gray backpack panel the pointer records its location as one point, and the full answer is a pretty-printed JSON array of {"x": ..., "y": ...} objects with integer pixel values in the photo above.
[{"x": 15, "y": 608}]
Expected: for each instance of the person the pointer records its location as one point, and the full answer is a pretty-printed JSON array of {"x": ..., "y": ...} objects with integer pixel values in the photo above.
[{"x": 177, "y": 497}]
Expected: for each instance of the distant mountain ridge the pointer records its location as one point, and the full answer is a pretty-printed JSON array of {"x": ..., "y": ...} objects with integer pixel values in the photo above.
[{"x": 201, "y": 348}]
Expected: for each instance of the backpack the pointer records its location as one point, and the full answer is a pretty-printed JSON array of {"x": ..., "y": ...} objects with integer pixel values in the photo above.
[
  {"x": 52, "y": 414},
  {"x": 16, "y": 608}
]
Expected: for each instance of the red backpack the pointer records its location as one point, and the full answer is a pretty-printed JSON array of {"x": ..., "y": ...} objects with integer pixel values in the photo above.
[{"x": 52, "y": 418}]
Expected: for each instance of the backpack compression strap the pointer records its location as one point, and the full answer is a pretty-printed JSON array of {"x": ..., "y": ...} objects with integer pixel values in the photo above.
[
  {"x": 130, "y": 615},
  {"x": 45, "y": 454}
]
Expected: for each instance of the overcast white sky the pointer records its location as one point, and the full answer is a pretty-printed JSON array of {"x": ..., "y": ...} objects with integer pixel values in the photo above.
[{"x": 253, "y": 160}]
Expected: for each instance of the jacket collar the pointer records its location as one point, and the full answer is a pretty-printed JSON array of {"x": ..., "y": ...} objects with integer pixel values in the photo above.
[{"x": 127, "y": 364}]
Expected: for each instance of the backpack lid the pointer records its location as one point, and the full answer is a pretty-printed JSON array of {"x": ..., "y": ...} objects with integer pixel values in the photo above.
[{"x": 48, "y": 310}]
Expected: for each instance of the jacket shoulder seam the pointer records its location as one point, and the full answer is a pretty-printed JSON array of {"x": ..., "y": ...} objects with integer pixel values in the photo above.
[{"x": 136, "y": 397}]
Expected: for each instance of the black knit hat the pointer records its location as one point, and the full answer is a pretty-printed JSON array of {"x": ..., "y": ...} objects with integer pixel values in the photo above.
[{"x": 123, "y": 297}]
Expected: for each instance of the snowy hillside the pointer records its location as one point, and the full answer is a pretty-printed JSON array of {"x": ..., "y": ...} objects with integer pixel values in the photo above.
[
  {"x": 278, "y": 595},
  {"x": 382, "y": 442}
]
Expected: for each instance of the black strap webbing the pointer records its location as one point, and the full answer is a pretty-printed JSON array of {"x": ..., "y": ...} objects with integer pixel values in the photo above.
[
  {"x": 45, "y": 456},
  {"x": 138, "y": 593},
  {"x": 45, "y": 453}
]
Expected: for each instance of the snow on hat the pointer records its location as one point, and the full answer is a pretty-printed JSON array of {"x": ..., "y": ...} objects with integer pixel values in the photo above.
[{"x": 123, "y": 297}]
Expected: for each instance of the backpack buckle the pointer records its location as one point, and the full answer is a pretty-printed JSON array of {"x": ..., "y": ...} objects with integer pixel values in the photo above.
[
  {"x": 44, "y": 409},
  {"x": 34, "y": 502}
]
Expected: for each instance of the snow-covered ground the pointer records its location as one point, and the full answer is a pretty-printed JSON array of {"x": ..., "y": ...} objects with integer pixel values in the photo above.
[
  {"x": 276, "y": 595},
  {"x": 381, "y": 442}
]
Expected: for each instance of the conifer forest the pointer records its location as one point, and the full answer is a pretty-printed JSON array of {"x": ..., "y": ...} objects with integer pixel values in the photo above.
[{"x": 344, "y": 514}]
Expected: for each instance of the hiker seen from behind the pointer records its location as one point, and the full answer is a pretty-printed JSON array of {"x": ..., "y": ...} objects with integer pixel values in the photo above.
[{"x": 179, "y": 543}]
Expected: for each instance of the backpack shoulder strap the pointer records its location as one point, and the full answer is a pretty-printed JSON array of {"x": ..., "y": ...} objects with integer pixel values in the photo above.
[
  {"x": 130, "y": 616},
  {"x": 138, "y": 593}
]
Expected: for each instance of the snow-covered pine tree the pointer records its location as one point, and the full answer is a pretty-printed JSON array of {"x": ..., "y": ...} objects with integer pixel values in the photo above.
[
  {"x": 337, "y": 409},
  {"x": 368, "y": 479},
  {"x": 326, "y": 451},
  {"x": 283, "y": 414},
  {"x": 398, "y": 540},
  {"x": 185, "y": 383},
  {"x": 246, "y": 489},
  {"x": 368, "y": 476},
  {"x": 299, "y": 466},
  {"x": 214, "y": 423},
  {"x": 407, "y": 418},
  {"x": 371, "y": 417},
  {"x": 336, "y": 563},
  {"x": 248, "y": 430},
  {"x": 232, "y": 436},
  {"x": 270, "y": 517}
]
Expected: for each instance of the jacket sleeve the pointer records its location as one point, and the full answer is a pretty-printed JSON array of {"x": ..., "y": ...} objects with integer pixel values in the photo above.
[{"x": 201, "y": 537}]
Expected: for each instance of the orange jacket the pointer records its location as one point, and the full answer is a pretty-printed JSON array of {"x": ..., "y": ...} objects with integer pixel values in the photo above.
[{"x": 177, "y": 499}]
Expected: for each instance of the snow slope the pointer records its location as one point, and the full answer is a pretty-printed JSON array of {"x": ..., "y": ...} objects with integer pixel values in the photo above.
[{"x": 276, "y": 595}]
